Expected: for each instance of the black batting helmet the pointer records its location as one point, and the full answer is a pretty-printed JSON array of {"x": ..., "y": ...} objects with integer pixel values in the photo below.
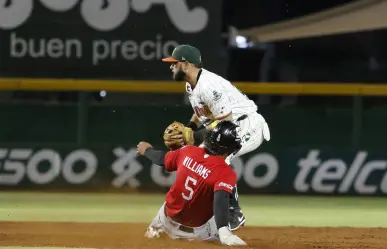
[{"x": 223, "y": 139}]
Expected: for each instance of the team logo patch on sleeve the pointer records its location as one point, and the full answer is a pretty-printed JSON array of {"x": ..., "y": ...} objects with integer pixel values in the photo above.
[
  {"x": 216, "y": 95},
  {"x": 222, "y": 184}
]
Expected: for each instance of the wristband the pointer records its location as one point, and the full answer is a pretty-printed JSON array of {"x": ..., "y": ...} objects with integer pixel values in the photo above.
[
  {"x": 213, "y": 124},
  {"x": 192, "y": 125}
]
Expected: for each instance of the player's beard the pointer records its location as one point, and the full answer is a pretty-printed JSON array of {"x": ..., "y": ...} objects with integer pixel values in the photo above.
[{"x": 179, "y": 75}]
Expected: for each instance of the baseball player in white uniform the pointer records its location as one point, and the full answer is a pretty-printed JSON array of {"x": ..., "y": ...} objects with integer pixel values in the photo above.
[{"x": 214, "y": 98}]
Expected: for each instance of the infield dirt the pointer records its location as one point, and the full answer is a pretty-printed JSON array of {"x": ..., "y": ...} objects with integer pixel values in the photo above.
[{"x": 131, "y": 236}]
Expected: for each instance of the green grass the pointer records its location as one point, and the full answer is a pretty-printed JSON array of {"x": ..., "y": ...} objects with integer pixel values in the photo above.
[{"x": 259, "y": 210}]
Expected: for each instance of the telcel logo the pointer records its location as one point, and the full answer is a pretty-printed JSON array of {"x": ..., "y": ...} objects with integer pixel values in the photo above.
[{"x": 334, "y": 174}]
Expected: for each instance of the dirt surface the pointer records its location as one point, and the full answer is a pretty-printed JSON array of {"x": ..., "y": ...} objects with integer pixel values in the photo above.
[{"x": 130, "y": 236}]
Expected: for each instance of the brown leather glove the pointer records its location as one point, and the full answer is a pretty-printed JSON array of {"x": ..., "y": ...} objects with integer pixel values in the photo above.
[{"x": 176, "y": 135}]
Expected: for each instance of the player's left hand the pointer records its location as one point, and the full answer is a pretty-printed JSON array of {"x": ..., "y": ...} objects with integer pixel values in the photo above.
[
  {"x": 178, "y": 138},
  {"x": 229, "y": 239},
  {"x": 142, "y": 146}
]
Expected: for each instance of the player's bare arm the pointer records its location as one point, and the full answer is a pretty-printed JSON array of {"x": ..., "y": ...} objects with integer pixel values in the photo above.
[
  {"x": 194, "y": 123},
  {"x": 199, "y": 131}
]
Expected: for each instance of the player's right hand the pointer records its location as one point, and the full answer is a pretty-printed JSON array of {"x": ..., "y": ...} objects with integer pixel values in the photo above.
[
  {"x": 141, "y": 147},
  {"x": 229, "y": 239}
]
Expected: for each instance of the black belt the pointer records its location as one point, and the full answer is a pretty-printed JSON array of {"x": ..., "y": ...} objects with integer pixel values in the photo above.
[
  {"x": 180, "y": 226},
  {"x": 186, "y": 229}
]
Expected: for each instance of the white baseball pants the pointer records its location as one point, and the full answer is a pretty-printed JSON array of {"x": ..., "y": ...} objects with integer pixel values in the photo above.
[
  {"x": 163, "y": 224},
  {"x": 253, "y": 130}
]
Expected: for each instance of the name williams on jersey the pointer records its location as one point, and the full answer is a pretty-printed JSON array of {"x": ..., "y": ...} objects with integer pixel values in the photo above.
[{"x": 196, "y": 167}]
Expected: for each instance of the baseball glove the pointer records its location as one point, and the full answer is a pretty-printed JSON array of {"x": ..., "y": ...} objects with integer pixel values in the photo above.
[{"x": 175, "y": 129}]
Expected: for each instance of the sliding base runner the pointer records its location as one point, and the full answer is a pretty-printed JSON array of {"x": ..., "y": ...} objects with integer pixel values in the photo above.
[{"x": 197, "y": 205}]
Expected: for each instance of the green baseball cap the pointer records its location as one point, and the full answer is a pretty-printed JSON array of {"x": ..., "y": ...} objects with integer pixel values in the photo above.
[{"x": 183, "y": 53}]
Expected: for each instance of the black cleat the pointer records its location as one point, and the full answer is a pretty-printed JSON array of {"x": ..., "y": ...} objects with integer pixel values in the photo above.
[{"x": 236, "y": 219}]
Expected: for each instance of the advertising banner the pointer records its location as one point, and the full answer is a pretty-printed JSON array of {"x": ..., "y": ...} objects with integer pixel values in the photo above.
[
  {"x": 104, "y": 38},
  {"x": 288, "y": 171}
]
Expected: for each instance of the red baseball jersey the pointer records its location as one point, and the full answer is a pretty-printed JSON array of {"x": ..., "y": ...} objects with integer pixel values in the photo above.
[{"x": 190, "y": 199}]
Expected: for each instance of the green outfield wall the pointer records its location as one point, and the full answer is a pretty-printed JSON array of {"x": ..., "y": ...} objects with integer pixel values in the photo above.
[{"x": 291, "y": 126}]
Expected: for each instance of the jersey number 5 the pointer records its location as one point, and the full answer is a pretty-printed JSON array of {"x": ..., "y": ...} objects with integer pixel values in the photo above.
[{"x": 188, "y": 187}]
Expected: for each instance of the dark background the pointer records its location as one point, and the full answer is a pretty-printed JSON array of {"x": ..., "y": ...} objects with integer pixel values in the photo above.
[
  {"x": 339, "y": 126},
  {"x": 355, "y": 57}
]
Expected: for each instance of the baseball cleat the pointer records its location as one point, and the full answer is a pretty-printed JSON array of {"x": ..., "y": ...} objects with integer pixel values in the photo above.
[{"x": 236, "y": 219}]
